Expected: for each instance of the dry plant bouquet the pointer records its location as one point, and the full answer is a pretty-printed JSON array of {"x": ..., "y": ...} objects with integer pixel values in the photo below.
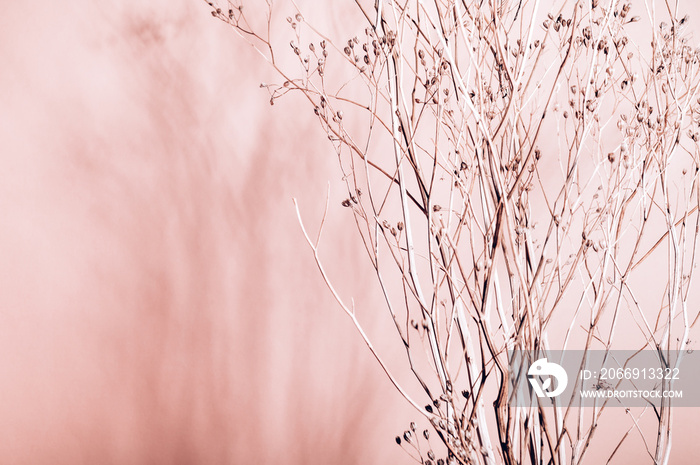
[{"x": 523, "y": 175}]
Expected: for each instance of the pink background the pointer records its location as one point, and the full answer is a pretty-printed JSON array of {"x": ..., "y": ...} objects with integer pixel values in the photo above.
[{"x": 158, "y": 303}]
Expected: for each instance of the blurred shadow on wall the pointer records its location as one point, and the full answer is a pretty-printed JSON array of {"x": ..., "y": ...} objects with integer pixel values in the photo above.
[{"x": 158, "y": 304}]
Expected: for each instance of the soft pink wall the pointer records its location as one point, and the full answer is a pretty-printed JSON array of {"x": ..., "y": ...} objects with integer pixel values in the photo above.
[{"x": 157, "y": 300}]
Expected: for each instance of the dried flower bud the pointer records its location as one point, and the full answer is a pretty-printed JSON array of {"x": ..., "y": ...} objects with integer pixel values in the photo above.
[
  {"x": 345, "y": 203},
  {"x": 398, "y": 440}
]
